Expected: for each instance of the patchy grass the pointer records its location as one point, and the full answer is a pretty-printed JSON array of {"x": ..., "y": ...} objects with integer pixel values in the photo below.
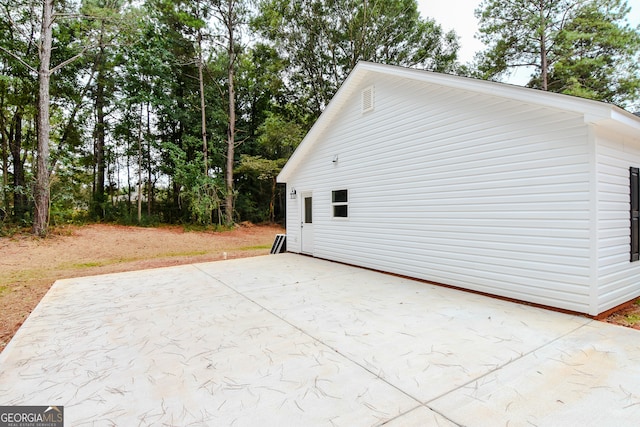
[
  {"x": 211, "y": 228},
  {"x": 632, "y": 318},
  {"x": 24, "y": 276},
  {"x": 255, "y": 248},
  {"x": 187, "y": 253},
  {"x": 87, "y": 264},
  {"x": 629, "y": 316},
  {"x": 123, "y": 260}
]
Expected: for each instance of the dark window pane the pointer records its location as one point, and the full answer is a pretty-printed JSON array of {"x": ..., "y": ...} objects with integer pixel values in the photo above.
[
  {"x": 339, "y": 196},
  {"x": 340, "y": 211},
  {"x": 634, "y": 198},
  {"x": 635, "y": 231},
  {"x": 634, "y": 189},
  {"x": 308, "y": 218}
]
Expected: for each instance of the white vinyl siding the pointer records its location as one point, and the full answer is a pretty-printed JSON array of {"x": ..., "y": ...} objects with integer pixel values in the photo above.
[
  {"x": 619, "y": 279},
  {"x": 468, "y": 190},
  {"x": 293, "y": 220}
]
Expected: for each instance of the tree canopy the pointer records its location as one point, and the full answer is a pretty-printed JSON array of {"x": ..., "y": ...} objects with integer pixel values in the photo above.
[
  {"x": 177, "y": 111},
  {"x": 323, "y": 40},
  {"x": 577, "y": 47},
  {"x": 185, "y": 111}
]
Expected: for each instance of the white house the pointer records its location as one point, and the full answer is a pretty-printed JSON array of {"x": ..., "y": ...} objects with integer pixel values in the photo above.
[{"x": 480, "y": 185}]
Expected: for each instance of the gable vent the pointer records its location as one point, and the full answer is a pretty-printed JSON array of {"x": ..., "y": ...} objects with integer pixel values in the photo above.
[{"x": 367, "y": 99}]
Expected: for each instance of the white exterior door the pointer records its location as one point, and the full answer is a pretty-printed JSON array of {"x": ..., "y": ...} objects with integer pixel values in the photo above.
[{"x": 306, "y": 223}]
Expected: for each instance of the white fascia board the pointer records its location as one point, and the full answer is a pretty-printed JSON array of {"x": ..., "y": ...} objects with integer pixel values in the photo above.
[
  {"x": 618, "y": 120},
  {"x": 627, "y": 119}
]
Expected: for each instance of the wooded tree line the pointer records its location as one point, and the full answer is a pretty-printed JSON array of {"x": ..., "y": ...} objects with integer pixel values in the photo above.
[{"x": 186, "y": 110}]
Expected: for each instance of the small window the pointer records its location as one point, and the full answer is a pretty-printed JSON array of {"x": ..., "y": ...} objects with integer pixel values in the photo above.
[
  {"x": 339, "y": 201},
  {"x": 339, "y": 196},
  {"x": 340, "y": 211},
  {"x": 634, "y": 212}
]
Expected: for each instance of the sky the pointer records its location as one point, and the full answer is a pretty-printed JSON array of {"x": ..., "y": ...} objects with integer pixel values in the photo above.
[
  {"x": 456, "y": 15},
  {"x": 459, "y": 16}
]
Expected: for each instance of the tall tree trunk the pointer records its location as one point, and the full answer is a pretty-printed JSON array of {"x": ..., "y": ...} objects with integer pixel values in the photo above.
[
  {"x": 178, "y": 139},
  {"x": 543, "y": 47},
  {"x": 128, "y": 177},
  {"x": 203, "y": 112},
  {"x": 177, "y": 208},
  {"x": 231, "y": 143},
  {"x": 99, "y": 194},
  {"x": 272, "y": 201},
  {"x": 42, "y": 190},
  {"x": 15, "y": 145},
  {"x": 149, "y": 171},
  {"x": 140, "y": 166},
  {"x": 5, "y": 165}
]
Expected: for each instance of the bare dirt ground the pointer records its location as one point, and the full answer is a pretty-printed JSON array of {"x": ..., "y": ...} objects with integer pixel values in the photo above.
[
  {"x": 29, "y": 266},
  {"x": 628, "y": 316}
]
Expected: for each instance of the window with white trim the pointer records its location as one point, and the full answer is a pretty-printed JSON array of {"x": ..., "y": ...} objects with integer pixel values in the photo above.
[{"x": 340, "y": 203}]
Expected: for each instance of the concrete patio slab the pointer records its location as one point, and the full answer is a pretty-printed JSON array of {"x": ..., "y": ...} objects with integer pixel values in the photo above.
[
  {"x": 293, "y": 340},
  {"x": 590, "y": 377}
]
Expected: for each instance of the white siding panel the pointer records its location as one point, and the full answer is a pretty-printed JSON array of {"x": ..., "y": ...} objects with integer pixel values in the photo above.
[
  {"x": 445, "y": 185},
  {"x": 618, "y": 278},
  {"x": 293, "y": 221}
]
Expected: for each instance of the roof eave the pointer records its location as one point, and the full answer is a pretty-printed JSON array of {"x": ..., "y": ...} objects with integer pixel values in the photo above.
[{"x": 594, "y": 112}]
